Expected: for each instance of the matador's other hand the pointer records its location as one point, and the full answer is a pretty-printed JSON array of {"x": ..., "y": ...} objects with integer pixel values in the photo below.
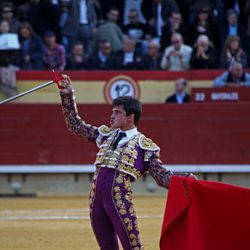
[
  {"x": 67, "y": 84},
  {"x": 193, "y": 176}
]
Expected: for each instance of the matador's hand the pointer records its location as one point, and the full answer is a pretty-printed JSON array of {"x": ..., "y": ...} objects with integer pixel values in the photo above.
[
  {"x": 67, "y": 84},
  {"x": 193, "y": 176}
]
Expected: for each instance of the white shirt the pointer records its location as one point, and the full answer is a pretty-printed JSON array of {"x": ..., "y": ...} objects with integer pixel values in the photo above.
[
  {"x": 180, "y": 97},
  {"x": 175, "y": 63},
  {"x": 129, "y": 134},
  {"x": 159, "y": 20},
  {"x": 128, "y": 57},
  {"x": 83, "y": 12}
]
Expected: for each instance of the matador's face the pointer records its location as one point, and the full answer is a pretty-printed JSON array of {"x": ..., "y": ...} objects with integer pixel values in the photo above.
[{"x": 119, "y": 119}]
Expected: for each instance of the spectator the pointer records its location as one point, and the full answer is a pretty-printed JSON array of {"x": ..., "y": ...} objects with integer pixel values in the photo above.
[
  {"x": 77, "y": 58},
  {"x": 7, "y": 14},
  {"x": 233, "y": 77},
  {"x": 157, "y": 12},
  {"x": 54, "y": 53},
  {"x": 78, "y": 22},
  {"x": 9, "y": 48},
  {"x": 233, "y": 28},
  {"x": 177, "y": 56},
  {"x": 129, "y": 5},
  {"x": 153, "y": 56},
  {"x": 136, "y": 30},
  {"x": 238, "y": 6},
  {"x": 232, "y": 52},
  {"x": 128, "y": 58},
  {"x": 180, "y": 96},
  {"x": 110, "y": 31},
  {"x": 247, "y": 14},
  {"x": 102, "y": 59},
  {"x": 173, "y": 25},
  {"x": 203, "y": 24},
  {"x": 31, "y": 48},
  {"x": 43, "y": 15},
  {"x": 204, "y": 55}
]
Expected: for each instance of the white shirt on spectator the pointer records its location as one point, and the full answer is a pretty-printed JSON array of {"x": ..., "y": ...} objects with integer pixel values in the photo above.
[
  {"x": 128, "y": 57},
  {"x": 83, "y": 12},
  {"x": 173, "y": 62}
]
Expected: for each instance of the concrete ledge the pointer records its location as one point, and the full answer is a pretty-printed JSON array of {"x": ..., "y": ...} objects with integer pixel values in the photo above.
[{"x": 36, "y": 169}]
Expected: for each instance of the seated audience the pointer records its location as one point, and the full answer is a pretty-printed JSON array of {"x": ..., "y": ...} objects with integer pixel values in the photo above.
[
  {"x": 9, "y": 54},
  {"x": 135, "y": 29},
  {"x": 7, "y": 14},
  {"x": 232, "y": 52},
  {"x": 204, "y": 55},
  {"x": 31, "y": 48},
  {"x": 110, "y": 31},
  {"x": 128, "y": 58},
  {"x": 153, "y": 56},
  {"x": 54, "y": 53},
  {"x": 204, "y": 24},
  {"x": 233, "y": 28},
  {"x": 236, "y": 76},
  {"x": 173, "y": 25},
  {"x": 102, "y": 59},
  {"x": 176, "y": 56},
  {"x": 157, "y": 12},
  {"x": 77, "y": 59},
  {"x": 180, "y": 96}
]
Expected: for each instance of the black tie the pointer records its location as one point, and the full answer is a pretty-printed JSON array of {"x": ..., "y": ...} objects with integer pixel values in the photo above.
[{"x": 118, "y": 138}]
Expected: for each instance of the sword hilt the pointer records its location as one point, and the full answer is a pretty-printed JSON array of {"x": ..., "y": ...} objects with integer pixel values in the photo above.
[{"x": 57, "y": 79}]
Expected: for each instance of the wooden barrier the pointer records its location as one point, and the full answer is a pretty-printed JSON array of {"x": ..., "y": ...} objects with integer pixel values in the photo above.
[
  {"x": 212, "y": 133},
  {"x": 98, "y": 86}
]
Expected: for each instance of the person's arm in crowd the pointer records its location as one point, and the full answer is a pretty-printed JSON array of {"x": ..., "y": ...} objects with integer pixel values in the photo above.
[
  {"x": 247, "y": 82},
  {"x": 38, "y": 52},
  {"x": 185, "y": 58},
  {"x": 61, "y": 54},
  {"x": 221, "y": 80},
  {"x": 166, "y": 60}
]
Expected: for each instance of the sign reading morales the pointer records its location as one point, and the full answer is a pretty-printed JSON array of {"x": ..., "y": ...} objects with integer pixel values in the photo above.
[
  {"x": 121, "y": 85},
  {"x": 227, "y": 94}
]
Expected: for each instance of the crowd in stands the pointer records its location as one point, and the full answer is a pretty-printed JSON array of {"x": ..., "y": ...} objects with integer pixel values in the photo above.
[{"x": 127, "y": 34}]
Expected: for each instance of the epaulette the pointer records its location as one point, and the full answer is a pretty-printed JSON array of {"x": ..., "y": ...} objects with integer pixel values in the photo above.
[
  {"x": 147, "y": 144},
  {"x": 105, "y": 130}
]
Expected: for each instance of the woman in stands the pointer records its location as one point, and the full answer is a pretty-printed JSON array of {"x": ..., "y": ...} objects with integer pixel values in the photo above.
[
  {"x": 31, "y": 48},
  {"x": 232, "y": 52}
]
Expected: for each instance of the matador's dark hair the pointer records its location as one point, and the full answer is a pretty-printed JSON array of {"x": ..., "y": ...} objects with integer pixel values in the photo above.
[{"x": 131, "y": 106}]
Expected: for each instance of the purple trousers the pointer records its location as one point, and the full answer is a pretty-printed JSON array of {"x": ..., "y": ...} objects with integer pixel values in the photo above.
[{"x": 112, "y": 212}]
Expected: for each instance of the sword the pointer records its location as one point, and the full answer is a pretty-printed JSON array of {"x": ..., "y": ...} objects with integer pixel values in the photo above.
[{"x": 55, "y": 80}]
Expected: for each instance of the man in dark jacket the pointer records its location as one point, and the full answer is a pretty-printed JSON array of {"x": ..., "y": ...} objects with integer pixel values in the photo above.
[{"x": 180, "y": 96}]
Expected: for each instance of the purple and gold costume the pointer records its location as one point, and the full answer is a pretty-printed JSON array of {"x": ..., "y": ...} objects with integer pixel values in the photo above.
[{"x": 111, "y": 209}]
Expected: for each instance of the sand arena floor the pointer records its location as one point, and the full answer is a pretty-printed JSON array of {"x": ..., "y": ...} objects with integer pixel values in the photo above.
[{"x": 62, "y": 223}]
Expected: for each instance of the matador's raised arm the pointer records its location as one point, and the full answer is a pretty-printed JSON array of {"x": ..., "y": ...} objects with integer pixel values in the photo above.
[{"x": 74, "y": 122}]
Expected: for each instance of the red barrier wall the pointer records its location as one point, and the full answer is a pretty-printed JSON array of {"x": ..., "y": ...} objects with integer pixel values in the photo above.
[
  {"x": 46, "y": 75},
  {"x": 187, "y": 134}
]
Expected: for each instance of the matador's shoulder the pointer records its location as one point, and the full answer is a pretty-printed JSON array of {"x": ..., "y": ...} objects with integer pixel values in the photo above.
[
  {"x": 105, "y": 130},
  {"x": 147, "y": 144}
]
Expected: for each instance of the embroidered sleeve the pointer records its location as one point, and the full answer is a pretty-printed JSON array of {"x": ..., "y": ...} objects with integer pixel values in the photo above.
[
  {"x": 161, "y": 175},
  {"x": 74, "y": 122}
]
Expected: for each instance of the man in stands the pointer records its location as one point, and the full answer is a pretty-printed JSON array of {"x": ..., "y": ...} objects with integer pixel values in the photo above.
[
  {"x": 180, "y": 96},
  {"x": 54, "y": 53},
  {"x": 236, "y": 76},
  {"x": 124, "y": 155},
  {"x": 176, "y": 56}
]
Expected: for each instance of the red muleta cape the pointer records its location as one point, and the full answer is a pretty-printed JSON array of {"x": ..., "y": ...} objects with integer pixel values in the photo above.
[{"x": 206, "y": 215}]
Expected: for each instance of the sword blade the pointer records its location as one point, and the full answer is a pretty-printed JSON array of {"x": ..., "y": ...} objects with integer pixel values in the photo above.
[{"x": 26, "y": 92}]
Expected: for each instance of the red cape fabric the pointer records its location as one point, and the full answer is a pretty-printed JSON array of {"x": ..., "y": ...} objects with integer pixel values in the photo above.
[{"x": 206, "y": 215}]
